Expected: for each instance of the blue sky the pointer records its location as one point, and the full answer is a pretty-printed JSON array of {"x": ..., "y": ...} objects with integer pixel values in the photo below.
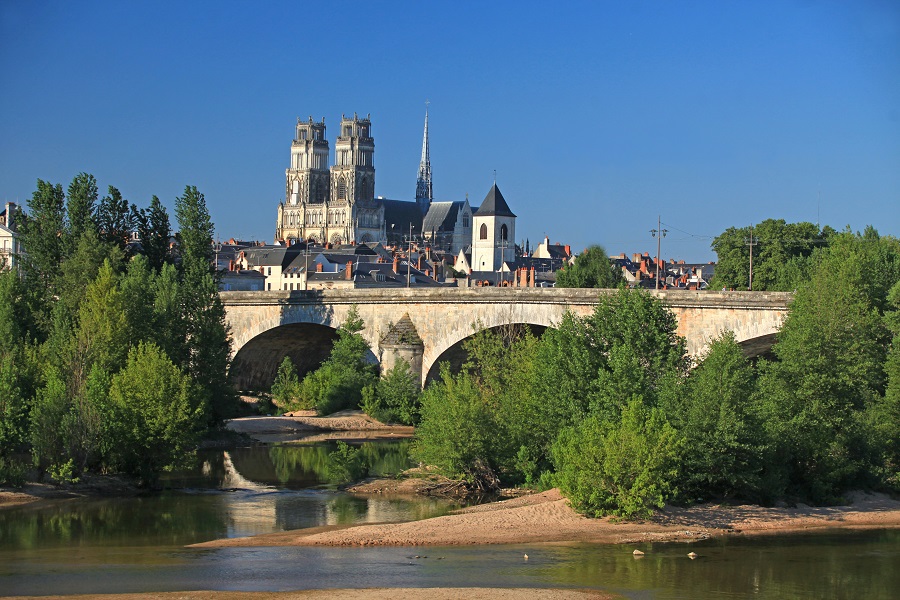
[{"x": 597, "y": 116}]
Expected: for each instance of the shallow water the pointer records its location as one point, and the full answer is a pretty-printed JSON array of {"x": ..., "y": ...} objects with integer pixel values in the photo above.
[{"x": 137, "y": 544}]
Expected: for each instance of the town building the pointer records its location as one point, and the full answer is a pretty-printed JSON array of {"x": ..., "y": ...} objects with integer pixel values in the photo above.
[{"x": 10, "y": 248}]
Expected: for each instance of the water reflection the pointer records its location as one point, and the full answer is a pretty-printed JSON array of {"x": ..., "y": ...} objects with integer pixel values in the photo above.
[{"x": 292, "y": 466}]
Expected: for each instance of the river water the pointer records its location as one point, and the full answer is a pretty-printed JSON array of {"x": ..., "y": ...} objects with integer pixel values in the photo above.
[{"x": 138, "y": 544}]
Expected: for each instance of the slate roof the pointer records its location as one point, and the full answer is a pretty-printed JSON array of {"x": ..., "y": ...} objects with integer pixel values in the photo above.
[
  {"x": 403, "y": 332},
  {"x": 441, "y": 216},
  {"x": 494, "y": 204},
  {"x": 400, "y": 214}
]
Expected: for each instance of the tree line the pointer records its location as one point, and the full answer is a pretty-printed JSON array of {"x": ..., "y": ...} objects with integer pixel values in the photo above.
[
  {"x": 611, "y": 409},
  {"x": 113, "y": 354}
]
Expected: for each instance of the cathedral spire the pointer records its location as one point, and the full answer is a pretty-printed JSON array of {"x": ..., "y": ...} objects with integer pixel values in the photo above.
[{"x": 423, "y": 182}]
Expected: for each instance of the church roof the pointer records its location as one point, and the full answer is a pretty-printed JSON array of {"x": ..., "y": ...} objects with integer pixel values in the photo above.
[
  {"x": 494, "y": 205},
  {"x": 400, "y": 214},
  {"x": 441, "y": 216}
]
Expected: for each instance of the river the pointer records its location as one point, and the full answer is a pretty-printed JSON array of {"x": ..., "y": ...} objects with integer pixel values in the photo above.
[{"x": 138, "y": 544}]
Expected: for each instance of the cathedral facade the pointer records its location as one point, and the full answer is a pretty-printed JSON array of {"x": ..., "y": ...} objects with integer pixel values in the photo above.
[
  {"x": 336, "y": 204},
  {"x": 331, "y": 204}
]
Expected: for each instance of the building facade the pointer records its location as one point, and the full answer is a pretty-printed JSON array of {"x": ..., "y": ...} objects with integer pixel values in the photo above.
[{"x": 333, "y": 204}]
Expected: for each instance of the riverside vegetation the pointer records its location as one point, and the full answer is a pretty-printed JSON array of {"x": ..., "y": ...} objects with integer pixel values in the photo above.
[
  {"x": 610, "y": 408},
  {"x": 113, "y": 357}
]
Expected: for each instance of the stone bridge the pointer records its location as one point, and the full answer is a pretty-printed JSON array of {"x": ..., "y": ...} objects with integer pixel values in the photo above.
[{"x": 428, "y": 326}]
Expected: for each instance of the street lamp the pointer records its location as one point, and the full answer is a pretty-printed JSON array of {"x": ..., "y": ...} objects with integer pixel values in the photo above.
[
  {"x": 409, "y": 255},
  {"x": 658, "y": 233}
]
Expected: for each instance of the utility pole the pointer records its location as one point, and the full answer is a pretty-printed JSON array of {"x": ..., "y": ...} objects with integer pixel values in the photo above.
[
  {"x": 659, "y": 234},
  {"x": 409, "y": 255},
  {"x": 751, "y": 242}
]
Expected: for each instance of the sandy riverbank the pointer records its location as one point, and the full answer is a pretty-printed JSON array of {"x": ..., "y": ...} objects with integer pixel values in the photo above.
[
  {"x": 547, "y": 517},
  {"x": 305, "y": 424}
]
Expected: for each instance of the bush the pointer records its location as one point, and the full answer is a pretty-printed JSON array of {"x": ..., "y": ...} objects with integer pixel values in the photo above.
[
  {"x": 394, "y": 398},
  {"x": 620, "y": 468},
  {"x": 157, "y": 418},
  {"x": 12, "y": 472},
  {"x": 286, "y": 389},
  {"x": 457, "y": 430}
]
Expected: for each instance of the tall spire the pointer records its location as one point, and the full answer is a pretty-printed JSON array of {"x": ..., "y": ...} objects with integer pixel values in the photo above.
[{"x": 423, "y": 182}]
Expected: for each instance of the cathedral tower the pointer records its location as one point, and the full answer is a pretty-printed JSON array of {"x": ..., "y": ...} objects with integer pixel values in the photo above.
[
  {"x": 307, "y": 181},
  {"x": 423, "y": 182},
  {"x": 353, "y": 181}
]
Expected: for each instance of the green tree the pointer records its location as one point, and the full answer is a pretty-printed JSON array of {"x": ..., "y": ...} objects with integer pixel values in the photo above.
[
  {"x": 206, "y": 335},
  {"x": 41, "y": 230},
  {"x": 286, "y": 387},
  {"x": 457, "y": 427},
  {"x": 624, "y": 468},
  {"x": 395, "y": 397},
  {"x": 81, "y": 204},
  {"x": 339, "y": 382},
  {"x": 780, "y": 255},
  {"x": 116, "y": 219},
  {"x": 154, "y": 230},
  {"x": 157, "y": 414},
  {"x": 724, "y": 449},
  {"x": 592, "y": 269},
  {"x": 830, "y": 371}
]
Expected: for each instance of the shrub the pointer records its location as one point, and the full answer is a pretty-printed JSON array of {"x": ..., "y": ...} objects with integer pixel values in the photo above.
[
  {"x": 394, "y": 398},
  {"x": 622, "y": 468}
]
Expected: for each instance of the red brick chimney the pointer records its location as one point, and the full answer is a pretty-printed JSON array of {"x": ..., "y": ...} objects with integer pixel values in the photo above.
[
  {"x": 349, "y": 269},
  {"x": 318, "y": 267},
  {"x": 568, "y": 250},
  {"x": 531, "y": 277},
  {"x": 396, "y": 263}
]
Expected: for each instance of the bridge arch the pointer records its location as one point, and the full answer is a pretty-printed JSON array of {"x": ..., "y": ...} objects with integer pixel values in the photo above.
[{"x": 456, "y": 354}]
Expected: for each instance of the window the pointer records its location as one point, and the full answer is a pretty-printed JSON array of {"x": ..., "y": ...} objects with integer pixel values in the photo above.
[
  {"x": 342, "y": 190},
  {"x": 269, "y": 271},
  {"x": 483, "y": 232},
  {"x": 269, "y": 287},
  {"x": 465, "y": 220},
  {"x": 504, "y": 234}
]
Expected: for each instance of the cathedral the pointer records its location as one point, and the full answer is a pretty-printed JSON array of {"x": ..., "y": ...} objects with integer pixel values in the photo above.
[{"x": 337, "y": 204}]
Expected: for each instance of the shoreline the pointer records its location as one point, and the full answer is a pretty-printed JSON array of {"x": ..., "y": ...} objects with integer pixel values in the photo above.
[
  {"x": 438, "y": 593},
  {"x": 547, "y": 518}
]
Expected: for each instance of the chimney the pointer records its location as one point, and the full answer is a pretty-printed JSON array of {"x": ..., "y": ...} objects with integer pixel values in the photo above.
[
  {"x": 396, "y": 263},
  {"x": 262, "y": 270},
  {"x": 419, "y": 262},
  {"x": 523, "y": 277},
  {"x": 349, "y": 269},
  {"x": 318, "y": 267},
  {"x": 635, "y": 258},
  {"x": 531, "y": 277},
  {"x": 568, "y": 250}
]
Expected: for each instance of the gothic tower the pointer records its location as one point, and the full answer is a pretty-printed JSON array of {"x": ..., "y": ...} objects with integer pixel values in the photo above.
[
  {"x": 493, "y": 233},
  {"x": 307, "y": 181},
  {"x": 353, "y": 183},
  {"x": 423, "y": 182}
]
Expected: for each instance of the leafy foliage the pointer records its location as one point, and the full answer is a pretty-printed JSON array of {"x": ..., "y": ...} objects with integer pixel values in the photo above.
[
  {"x": 286, "y": 387},
  {"x": 592, "y": 269},
  {"x": 395, "y": 397},
  {"x": 339, "y": 382},
  {"x": 156, "y": 415},
  {"x": 624, "y": 468},
  {"x": 724, "y": 442},
  {"x": 781, "y": 254}
]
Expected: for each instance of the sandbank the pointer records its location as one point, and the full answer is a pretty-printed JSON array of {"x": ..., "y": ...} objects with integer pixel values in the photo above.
[{"x": 548, "y": 518}]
